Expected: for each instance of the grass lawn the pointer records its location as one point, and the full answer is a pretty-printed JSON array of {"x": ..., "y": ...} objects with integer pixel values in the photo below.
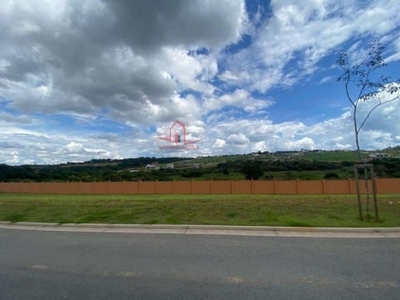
[{"x": 268, "y": 210}]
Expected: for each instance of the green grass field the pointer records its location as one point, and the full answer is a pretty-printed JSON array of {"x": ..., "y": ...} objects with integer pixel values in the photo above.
[{"x": 268, "y": 210}]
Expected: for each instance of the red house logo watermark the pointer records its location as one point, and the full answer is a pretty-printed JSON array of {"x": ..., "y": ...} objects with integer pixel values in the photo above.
[{"x": 177, "y": 138}]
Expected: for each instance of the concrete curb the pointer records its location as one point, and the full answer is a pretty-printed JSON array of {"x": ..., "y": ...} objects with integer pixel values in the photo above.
[{"x": 277, "y": 231}]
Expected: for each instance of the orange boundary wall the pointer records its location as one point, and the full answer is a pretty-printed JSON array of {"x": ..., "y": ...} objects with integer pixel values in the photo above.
[{"x": 290, "y": 187}]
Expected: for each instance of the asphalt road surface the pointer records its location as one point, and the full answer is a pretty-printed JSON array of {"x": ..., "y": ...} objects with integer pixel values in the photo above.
[{"x": 38, "y": 265}]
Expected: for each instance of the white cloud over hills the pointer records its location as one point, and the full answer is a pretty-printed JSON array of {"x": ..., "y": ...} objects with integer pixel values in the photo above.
[{"x": 101, "y": 78}]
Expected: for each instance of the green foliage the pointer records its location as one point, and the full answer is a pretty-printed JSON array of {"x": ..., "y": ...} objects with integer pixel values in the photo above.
[
  {"x": 192, "y": 173},
  {"x": 331, "y": 175},
  {"x": 281, "y": 165},
  {"x": 252, "y": 171},
  {"x": 333, "y": 156}
]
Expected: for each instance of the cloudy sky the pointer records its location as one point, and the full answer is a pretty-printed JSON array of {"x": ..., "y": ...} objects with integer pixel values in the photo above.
[{"x": 94, "y": 79}]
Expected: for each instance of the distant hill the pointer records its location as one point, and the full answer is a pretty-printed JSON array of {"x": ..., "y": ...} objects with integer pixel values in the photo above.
[{"x": 316, "y": 164}]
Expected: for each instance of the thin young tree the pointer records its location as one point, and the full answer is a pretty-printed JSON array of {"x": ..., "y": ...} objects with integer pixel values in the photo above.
[{"x": 362, "y": 83}]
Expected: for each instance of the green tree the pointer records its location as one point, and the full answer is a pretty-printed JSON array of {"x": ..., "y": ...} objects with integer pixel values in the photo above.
[
  {"x": 252, "y": 171},
  {"x": 362, "y": 84}
]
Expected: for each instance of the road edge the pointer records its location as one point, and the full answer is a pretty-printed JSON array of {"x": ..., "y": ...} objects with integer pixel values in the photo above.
[{"x": 275, "y": 231}]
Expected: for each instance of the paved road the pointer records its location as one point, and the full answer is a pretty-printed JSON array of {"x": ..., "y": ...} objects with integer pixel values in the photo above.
[{"x": 79, "y": 265}]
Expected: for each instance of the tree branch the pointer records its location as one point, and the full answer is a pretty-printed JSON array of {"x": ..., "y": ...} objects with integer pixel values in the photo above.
[
  {"x": 371, "y": 111},
  {"x": 348, "y": 93},
  {"x": 366, "y": 80}
]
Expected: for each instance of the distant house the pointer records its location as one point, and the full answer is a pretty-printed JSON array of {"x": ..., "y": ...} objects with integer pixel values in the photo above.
[
  {"x": 170, "y": 166},
  {"x": 152, "y": 166},
  {"x": 378, "y": 155}
]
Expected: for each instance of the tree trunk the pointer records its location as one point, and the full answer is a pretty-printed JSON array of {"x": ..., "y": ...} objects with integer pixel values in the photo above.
[{"x": 356, "y": 132}]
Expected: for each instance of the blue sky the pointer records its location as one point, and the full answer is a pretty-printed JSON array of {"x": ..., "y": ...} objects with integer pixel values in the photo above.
[{"x": 96, "y": 79}]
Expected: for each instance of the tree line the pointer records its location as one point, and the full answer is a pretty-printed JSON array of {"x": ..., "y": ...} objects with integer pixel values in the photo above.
[{"x": 135, "y": 170}]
